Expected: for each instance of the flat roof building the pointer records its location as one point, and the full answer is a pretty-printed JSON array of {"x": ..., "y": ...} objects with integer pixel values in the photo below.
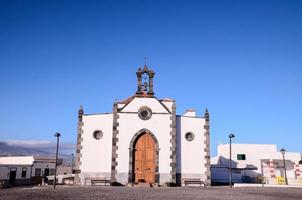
[
  {"x": 250, "y": 162},
  {"x": 25, "y": 170}
]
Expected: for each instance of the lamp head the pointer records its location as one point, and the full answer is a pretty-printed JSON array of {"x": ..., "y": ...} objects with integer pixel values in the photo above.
[
  {"x": 231, "y": 136},
  {"x": 57, "y": 134},
  {"x": 282, "y": 151}
]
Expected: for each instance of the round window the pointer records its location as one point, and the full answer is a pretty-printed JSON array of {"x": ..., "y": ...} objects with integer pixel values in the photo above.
[
  {"x": 189, "y": 136},
  {"x": 97, "y": 134},
  {"x": 145, "y": 113}
]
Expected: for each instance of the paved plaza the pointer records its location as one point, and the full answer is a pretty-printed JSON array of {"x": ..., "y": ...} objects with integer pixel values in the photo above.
[{"x": 210, "y": 193}]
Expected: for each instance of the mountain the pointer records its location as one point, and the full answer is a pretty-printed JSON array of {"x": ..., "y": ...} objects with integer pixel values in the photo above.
[
  {"x": 8, "y": 150},
  {"x": 15, "y": 150}
]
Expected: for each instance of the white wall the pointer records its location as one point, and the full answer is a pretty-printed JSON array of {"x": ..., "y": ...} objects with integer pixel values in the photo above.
[
  {"x": 254, "y": 154},
  {"x": 96, "y": 154},
  {"x": 28, "y": 162},
  {"x": 290, "y": 158},
  {"x": 5, "y": 170},
  {"x": 191, "y": 153},
  {"x": 168, "y": 103},
  {"x": 42, "y": 166},
  {"x": 16, "y": 160},
  {"x": 130, "y": 124},
  {"x": 137, "y": 103}
]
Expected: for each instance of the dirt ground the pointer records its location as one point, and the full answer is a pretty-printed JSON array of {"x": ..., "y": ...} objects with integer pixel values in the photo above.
[{"x": 101, "y": 192}]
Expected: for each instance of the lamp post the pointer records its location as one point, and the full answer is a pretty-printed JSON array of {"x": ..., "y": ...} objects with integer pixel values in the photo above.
[
  {"x": 72, "y": 158},
  {"x": 283, "y": 153},
  {"x": 230, "y": 161},
  {"x": 57, "y": 135}
]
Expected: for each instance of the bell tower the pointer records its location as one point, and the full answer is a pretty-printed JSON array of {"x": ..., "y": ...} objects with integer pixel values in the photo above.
[{"x": 145, "y": 81}]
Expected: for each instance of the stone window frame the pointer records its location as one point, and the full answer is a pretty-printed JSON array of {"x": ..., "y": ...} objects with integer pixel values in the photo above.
[
  {"x": 145, "y": 108},
  {"x": 99, "y": 136},
  {"x": 189, "y": 139}
]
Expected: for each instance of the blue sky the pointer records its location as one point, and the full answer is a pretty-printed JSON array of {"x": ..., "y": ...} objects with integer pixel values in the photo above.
[{"x": 240, "y": 59}]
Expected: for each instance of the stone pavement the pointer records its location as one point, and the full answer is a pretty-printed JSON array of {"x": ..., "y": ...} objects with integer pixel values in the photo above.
[{"x": 192, "y": 193}]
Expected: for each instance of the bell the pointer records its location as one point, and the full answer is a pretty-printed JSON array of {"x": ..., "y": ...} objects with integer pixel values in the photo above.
[{"x": 145, "y": 87}]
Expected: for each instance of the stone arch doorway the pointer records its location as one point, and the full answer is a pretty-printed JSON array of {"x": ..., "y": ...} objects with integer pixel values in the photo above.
[{"x": 143, "y": 158}]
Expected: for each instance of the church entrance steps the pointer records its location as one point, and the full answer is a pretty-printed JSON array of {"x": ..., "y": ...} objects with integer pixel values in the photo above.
[{"x": 141, "y": 184}]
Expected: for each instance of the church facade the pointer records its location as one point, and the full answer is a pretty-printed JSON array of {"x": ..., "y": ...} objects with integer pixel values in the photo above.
[{"x": 143, "y": 140}]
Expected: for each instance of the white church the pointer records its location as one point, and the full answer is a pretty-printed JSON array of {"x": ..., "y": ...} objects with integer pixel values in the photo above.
[{"x": 143, "y": 140}]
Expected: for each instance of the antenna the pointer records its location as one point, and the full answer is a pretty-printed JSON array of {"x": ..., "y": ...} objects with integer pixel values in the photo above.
[{"x": 145, "y": 60}]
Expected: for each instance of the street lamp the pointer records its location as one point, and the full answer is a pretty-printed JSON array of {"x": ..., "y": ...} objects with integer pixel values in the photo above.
[
  {"x": 283, "y": 153},
  {"x": 72, "y": 158},
  {"x": 230, "y": 161},
  {"x": 57, "y": 135}
]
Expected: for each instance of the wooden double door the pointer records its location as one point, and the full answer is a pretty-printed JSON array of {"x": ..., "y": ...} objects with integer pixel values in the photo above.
[{"x": 144, "y": 156}]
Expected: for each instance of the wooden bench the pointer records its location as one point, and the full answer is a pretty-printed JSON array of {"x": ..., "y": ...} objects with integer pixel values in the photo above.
[
  {"x": 97, "y": 180},
  {"x": 194, "y": 181}
]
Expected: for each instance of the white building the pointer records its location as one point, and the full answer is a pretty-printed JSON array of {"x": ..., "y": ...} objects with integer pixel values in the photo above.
[
  {"x": 250, "y": 162},
  {"x": 143, "y": 140},
  {"x": 25, "y": 170}
]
